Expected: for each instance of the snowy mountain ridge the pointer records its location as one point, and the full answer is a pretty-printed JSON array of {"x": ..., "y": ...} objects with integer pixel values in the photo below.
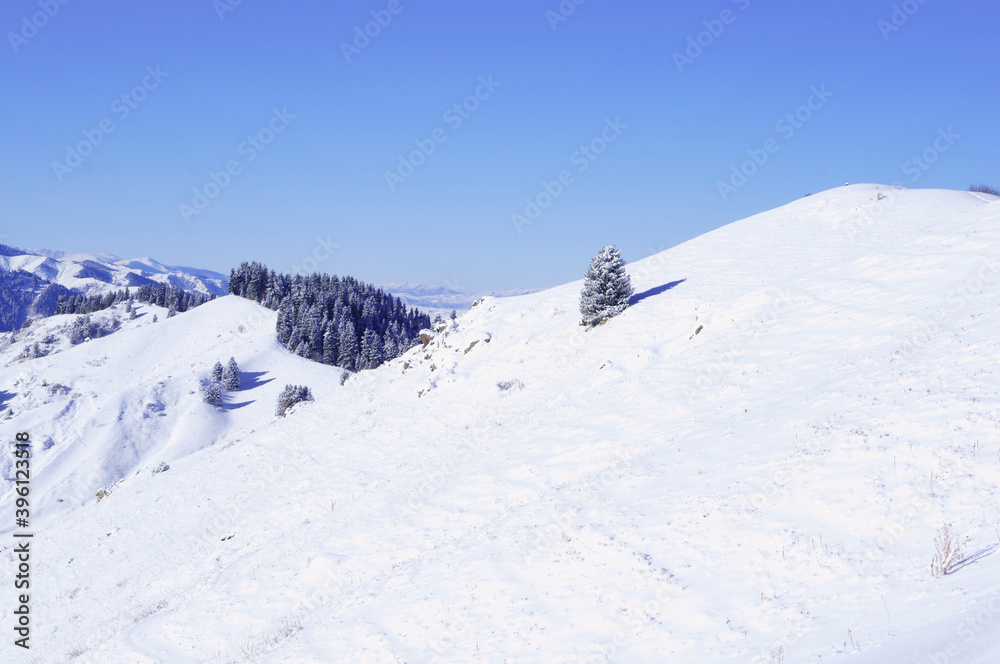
[
  {"x": 96, "y": 274},
  {"x": 751, "y": 463}
]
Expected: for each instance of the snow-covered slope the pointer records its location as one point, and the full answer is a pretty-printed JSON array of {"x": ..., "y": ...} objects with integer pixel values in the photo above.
[
  {"x": 107, "y": 408},
  {"x": 749, "y": 465},
  {"x": 93, "y": 274}
]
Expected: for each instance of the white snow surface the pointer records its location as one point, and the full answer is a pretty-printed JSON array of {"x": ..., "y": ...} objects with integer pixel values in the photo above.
[{"x": 750, "y": 465}]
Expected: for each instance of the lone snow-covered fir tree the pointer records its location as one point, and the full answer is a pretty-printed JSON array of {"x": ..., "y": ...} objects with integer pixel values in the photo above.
[
  {"x": 606, "y": 287},
  {"x": 231, "y": 376}
]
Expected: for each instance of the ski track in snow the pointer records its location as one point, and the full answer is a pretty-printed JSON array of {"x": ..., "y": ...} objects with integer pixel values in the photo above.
[{"x": 748, "y": 466}]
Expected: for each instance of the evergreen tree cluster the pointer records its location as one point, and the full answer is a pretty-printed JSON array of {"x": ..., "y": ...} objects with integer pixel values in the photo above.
[
  {"x": 84, "y": 328},
  {"x": 211, "y": 393},
  {"x": 221, "y": 378},
  {"x": 35, "y": 351},
  {"x": 607, "y": 288},
  {"x": 291, "y": 395},
  {"x": 338, "y": 321},
  {"x": 171, "y": 297}
]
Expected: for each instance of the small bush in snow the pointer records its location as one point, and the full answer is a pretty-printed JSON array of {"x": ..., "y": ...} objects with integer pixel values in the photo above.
[
  {"x": 162, "y": 467},
  {"x": 949, "y": 551},
  {"x": 291, "y": 395},
  {"x": 510, "y": 385},
  {"x": 607, "y": 288}
]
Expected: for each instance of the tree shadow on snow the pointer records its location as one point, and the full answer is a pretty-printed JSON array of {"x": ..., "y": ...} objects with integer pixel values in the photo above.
[
  {"x": 236, "y": 406},
  {"x": 639, "y": 297},
  {"x": 5, "y": 397},
  {"x": 252, "y": 379}
]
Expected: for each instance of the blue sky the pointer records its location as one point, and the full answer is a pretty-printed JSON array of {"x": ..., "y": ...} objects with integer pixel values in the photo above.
[{"x": 310, "y": 129}]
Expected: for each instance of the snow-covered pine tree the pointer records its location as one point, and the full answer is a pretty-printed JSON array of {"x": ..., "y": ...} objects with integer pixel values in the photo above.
[
  {"x": 347, "y": 355},
  {"x": 284, "y": 324},
  {"x": 295, "y": 341},
  {"x": 369, "y": 314},
  {"x": 77, "y": 333},
  {"x": 231, "y": 376},
  {"x": 212, "y": 394},
  {"x": 312, "y": 323},
  {"x": 217, "y": 372},
  {"x": 389, "y": 349},
  {"x": 371, "y": 350},
  {"x": 606, "y": 287},
  {"x": 331, "y": 340}
]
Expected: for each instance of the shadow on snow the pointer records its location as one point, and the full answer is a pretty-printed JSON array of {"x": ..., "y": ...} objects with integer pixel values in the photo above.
[
  {"x": 252, "y": 379},
  {"x": 249, "y": 380},
  {"x": 972, "y": 558},
  {"x": 639, "y": 297}
]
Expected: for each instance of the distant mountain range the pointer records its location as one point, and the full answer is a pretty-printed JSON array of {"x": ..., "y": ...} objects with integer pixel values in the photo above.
[
  {"x": 438, "y": 298},
  {"x": 32, "y": 280},
  {"x": 93, "y": 274}
]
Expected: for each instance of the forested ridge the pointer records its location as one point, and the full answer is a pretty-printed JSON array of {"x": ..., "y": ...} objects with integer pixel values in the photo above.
[{"x": 338, "y": 321}]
